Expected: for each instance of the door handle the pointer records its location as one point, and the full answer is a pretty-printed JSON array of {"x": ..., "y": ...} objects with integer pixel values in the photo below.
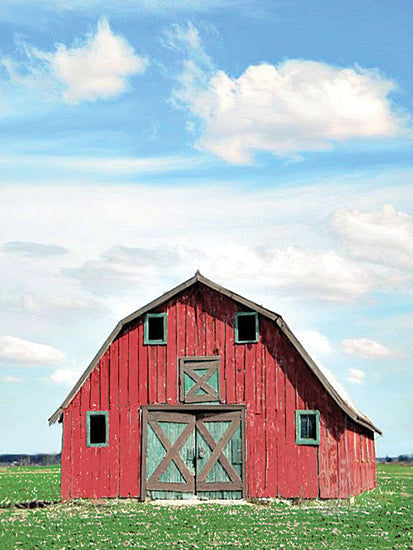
[{"x": 201, "y": 452}]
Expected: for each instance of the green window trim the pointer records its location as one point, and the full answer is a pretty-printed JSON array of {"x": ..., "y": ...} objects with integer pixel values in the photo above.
[
  {"x": 299, "y": 416},
  {"x": 246, "y": 314},
  {"x": 146, "y": 337},
  {"x": 90, "y": 414}
]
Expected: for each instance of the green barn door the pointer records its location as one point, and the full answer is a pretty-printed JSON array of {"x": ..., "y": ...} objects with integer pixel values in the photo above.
[
  {"x": 170, "y": 447},
  {"x": 219, "y": 455},
  {"x": 188, "y": 454}
]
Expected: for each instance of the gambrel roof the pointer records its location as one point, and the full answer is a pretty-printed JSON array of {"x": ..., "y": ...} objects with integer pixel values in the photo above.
[{"x": 330, "y": 388}]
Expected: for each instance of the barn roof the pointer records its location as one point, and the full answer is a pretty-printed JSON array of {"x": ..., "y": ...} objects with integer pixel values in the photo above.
[{"x": 332, "y": 390}]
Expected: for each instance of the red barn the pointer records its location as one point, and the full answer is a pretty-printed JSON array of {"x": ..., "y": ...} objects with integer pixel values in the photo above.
[{"x": 205, "y": 393}]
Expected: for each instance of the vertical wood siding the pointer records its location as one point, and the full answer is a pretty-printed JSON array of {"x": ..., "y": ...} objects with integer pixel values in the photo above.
[{"x": 269, "y": 377}]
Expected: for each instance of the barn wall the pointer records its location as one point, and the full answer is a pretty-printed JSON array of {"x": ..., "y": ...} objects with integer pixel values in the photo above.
[{"x": 269, "y": 377}]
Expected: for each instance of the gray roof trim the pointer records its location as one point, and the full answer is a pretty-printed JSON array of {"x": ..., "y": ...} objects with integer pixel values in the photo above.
[{"x": 352, "y": 413}]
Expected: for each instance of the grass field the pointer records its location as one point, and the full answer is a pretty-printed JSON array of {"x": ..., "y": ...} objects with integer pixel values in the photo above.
[{"x": 378, "y": 519}]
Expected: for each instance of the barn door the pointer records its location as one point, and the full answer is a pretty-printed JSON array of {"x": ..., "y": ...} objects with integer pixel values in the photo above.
[
  {"x": 193, "y": 454},
  {"x": 170, "y": 446},
  {"x": 219, "y": 455}
]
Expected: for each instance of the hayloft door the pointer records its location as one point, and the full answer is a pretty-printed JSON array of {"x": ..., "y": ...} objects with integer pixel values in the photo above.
[{"x": 193, "y": 454}]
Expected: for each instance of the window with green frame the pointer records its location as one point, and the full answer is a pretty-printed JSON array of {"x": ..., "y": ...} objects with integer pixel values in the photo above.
[
  {"x": 97, "y": 428},
  {"x": 246, "y": 327},
  {"x": 154, "y": 330},
  {"x": 307, "y": 427}
]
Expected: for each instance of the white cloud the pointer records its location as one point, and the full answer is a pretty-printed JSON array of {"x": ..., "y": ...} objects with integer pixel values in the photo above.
[
  {"x": 68, "y": 376},
  {"x": 384, "y": 237},
  {"x": 27, "y": 352},
  {"x": 295, "y": 106},
  {"x": 99, "y": 68},
  {"x": 365, "y": 348},
  {"x": 303, "y": 273},
  {"x": 32, "y": 250},
  {"x": 12, "y": 379},
  {"x": 314, "y": 342},
  {"x": 121, "y": 268},
  {"x": 106, "y": 165},
  {"x": 355, "y": 376}
]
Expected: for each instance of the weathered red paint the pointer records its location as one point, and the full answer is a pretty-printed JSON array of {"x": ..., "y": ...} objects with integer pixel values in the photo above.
[{"x": 269, "y": 377}]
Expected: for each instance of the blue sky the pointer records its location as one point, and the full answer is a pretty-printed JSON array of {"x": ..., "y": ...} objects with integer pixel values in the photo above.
[{"x": 268, "y": 144}]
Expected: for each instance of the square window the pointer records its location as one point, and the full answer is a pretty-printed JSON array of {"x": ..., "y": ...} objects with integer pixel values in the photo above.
[
  {"x": 307, "y": 425},
  {"x": 246, "y": 327},
  {"x": 155, "y": 328},
  {"x": 97, "y": 428}
]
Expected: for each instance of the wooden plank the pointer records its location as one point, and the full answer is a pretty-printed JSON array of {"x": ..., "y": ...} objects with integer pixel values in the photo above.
[
  {"x": 86, "y": 459},
  {"x": 124, "y": 451},
  {"x": 66, "y": 456},
  {"x": 266, "y": 391},
  {"x": 76, "y": 446},
  {"x": 323, "y": 456},
  {"x": 210, "y": 346},
  {"x": 252, "y": 443},
  {"x": 152, "y": 374},
  {"x": 333, "y": 456},
  {"x": 124, "y": 369},
  {"x": 144, "y": 428},
  {"x": 260, "y": 452},
  {"x": 124, "y": 418},
  {"x": 249, "y": 380},
  {"x": 229, "y": 356},
  {"x": 95, "y": 451},
  {"x": 240, "y": 373},
  {"x": 181, "y": 327},
  {"x": 143, "y": 368},
  {"x": 133, "y": 365},
  {"x": 161, "y": 371},
  {"x": 114, "y": 420},
  {"x": 351, "y": 455},
  {"x": 281, "y": 429},
  {"x": 135, "y": 455},
  {"x": 200, "y": 323},
  {"x": 290, "y": 408},
  {"x": 191, "y": 347},
  {"x": 219, "y": 327},
  {"x": 172, "y": 357},
  {"x": 104, "y": 403},
  {"x": 343, "y": 465}
]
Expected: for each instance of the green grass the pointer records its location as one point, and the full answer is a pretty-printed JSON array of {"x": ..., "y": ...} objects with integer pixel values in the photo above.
[
  {"x": 378, "y": 519},
  {"x": 25, "y": 484}
]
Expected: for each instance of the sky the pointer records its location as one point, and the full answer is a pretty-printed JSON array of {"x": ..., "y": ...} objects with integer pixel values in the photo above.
[{"x": 266, "y": 143}]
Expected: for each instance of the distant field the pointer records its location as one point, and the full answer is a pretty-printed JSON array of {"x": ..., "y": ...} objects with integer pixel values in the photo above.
[{"x": 379, "y": 519}]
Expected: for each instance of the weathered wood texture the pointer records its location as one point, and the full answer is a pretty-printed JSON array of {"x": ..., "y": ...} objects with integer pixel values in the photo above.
[{"x": 269, "y": 377}]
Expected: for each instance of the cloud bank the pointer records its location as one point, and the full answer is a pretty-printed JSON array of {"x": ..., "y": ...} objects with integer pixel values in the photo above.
[
  {"x": 283, "y": 109},
  {"x": 29, "y": 353},
  {"x": 384, "y": 237}
]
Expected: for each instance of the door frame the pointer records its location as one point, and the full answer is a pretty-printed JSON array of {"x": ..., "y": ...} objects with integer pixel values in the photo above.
[{"x": 195, "y": 408}]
